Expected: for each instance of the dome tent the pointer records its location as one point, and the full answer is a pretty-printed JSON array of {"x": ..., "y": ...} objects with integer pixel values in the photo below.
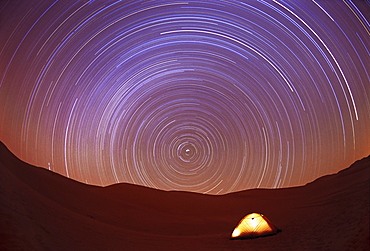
[{"x": 254, "y": 225}]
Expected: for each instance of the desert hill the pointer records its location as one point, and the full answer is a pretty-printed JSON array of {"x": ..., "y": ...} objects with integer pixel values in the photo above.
[{"x": 41, "y": 210}]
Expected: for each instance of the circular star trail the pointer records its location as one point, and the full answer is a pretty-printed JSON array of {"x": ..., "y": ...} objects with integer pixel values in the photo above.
[{"x": 204, "y": 96}]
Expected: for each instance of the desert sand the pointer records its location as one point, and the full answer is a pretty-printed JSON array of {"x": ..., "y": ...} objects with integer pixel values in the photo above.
[{"x": 41, "y": 210}]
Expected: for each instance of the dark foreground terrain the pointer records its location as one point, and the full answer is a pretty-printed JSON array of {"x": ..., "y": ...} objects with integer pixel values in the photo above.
[{"x": 41, "y": 210}]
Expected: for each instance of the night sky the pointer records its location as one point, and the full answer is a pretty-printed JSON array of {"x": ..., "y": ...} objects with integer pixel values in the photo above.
[{"x": 204, "y": 96}]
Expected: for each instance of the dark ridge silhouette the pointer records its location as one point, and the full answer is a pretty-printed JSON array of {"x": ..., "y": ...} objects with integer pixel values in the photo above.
[{"x": 42, "y": 210}]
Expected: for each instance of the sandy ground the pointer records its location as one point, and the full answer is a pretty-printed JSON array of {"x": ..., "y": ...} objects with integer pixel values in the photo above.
[{"x": 41, "y": 210}]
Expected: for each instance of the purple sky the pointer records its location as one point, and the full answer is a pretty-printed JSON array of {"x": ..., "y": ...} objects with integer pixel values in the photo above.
[{"x": 204, "y": 96}]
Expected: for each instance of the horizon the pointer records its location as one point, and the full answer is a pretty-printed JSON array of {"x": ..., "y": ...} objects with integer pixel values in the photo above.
[{"x": 158, "y": 189}]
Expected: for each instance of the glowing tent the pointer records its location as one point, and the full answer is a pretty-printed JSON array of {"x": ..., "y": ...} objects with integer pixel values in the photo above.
[{"x": 254, "y": 225}]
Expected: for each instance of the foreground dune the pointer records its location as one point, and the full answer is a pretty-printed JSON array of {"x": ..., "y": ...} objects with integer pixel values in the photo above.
[{"x": 41, "y": 210}]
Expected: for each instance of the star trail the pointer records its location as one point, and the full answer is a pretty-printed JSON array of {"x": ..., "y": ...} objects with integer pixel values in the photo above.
[{"x": 203, "y": 96}]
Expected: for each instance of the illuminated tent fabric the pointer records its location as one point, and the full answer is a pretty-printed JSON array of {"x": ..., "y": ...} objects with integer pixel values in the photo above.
[{"x": 253, "y": 225}]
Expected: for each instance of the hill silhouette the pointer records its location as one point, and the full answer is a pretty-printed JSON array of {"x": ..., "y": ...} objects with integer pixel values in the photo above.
[{"x": 42, "y": 210}]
